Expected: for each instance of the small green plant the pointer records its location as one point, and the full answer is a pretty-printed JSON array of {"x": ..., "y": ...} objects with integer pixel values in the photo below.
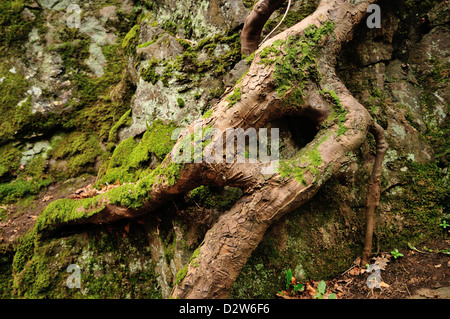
[
  {"x": 395, "y": 253},
  {"x": 292, "y": 285},
  {"x": 321, "y": 288},
  {"x": 444, "y": 224},
  {"x": 180, "y": 102}
]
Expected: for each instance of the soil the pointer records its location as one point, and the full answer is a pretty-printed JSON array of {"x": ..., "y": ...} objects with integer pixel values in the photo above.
[
  {"x": 421, "y": 273},
  {"x": 21, "y": 219}
]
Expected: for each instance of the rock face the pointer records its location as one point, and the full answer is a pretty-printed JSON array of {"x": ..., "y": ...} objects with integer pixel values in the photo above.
[{"x": 89, "y": 90}]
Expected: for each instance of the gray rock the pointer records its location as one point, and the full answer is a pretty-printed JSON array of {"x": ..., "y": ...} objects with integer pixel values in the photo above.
[
  {"x": 166, "y": 47},
  {"x": 236, "y": 73},
  {"x": 96, "y": 61}
]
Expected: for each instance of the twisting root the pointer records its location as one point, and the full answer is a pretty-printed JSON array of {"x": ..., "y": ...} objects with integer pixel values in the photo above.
[{"x": 374, "y": 189}]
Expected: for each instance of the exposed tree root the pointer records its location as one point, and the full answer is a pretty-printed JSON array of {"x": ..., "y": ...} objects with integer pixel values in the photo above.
[{"x": 292, "y": 74}]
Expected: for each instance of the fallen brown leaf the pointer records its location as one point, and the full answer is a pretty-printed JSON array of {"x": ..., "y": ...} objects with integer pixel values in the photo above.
[
  {"x": 356, "y": 271},
  {"x": 47, "y": 198},
  {"x": 381, "y": 261},
  {"x": 384, "y": 285}
]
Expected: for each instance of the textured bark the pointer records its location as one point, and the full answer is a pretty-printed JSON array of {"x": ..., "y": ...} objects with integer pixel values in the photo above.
[
  {"x": 231, "y": 240},
  {"x": 229, "y": 243},
  {"x": 251, "y": 34},
  {"x": 373, "y": 193}
]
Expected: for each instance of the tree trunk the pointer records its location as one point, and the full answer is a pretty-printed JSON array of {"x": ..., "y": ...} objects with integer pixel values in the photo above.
[{"x": 292, "y": 74}]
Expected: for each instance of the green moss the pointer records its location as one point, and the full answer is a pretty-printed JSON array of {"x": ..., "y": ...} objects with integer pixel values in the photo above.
[
  {"x": 80, "y": 150},
  {"x": 23, "y": 252},
  {"x": 183, "y": 271},
  {"x": 9, "y": 161},
  {"x": 110, "y": 267},
  {"x": 339, "y": 112},
  {"x": 149, "y": 74},
  {"x": 422, "y": 203},
  {"x": 207, "y": 114},
  {"x": 125, "y": 120},
  {"x": 128, "y": 195},
  {"x": 146, "y": 44},
  {"x": 306, "y": 160},
  {"x": 75, "y": 51},
  {"x": 298, "y": 65},
  {"x": 180, "y": 102},
  {"x": 235, "y": 97},
  {"x": 13, "y": 27},
  {"x": 294, "y": 16},
  {"x": 158, "y": 138},
  {"x": 6, "y": 274},
  {"x": 131, "y": 39},
  {"x": 130, "y": 160},
  {"x": 20, "y": 188},
  {"x": 214, "y": 197},
  {"x": 16, "y": 118},
  {"x": 66, "y": 210}
]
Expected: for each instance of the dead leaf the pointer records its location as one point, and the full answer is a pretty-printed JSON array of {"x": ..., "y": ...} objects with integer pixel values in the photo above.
[
  {"x": 381, "y": 261},
  {"x": 47, "y": 198},
  {"x": 357, "y": 261},
  {"x": 356, "y": 271},
  {"x": 384, "y": 285},
  {"x": 310, "y": 289},
  {"x": 438, "y": 266},
  {"x": 127, "y": 228}
]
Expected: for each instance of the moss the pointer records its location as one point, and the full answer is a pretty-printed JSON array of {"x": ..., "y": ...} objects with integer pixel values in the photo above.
[
  {"x": 249, "y": 3},
  {"x": 9, "y": 161},
  {"x": 422, "y": 204},
  {"x": 306, "y": 160},
  {"x": 261, "y": 277},
  {"x": 149, "y": 74},
  {"x": 146, "y": 44},
  {"x": 74, "y": 51},
  {"x": 158, "y": 138},
  {"x": 80, "y": 150},
  {"x": 66, "y": 210},
  {"x": 128, "y": 195},
  {"x": 125, "y": 120},
  {"x": 6, "y": 274},
  {"x": 207, "y": 114},
  {"x": 110, "y": 267},
  {"x": 180, "y": 102},
  {"x": 23, "y": 252},
  {"x": 16, "y": 112},
  {"x": 298, "y": 65},
  {"x": 13, "y": 27},
  {"x": 235, "y": 97},
  {"x": 293, "y": 16},
  {"x": 214, "y": 197},
  {"x": 130, "y": 41},
  {"x": 130, "y": 159},
  {"x": 20, "y": 188},
  {"x": 183, "y": 271},
  {"x": 339, "y": 112}
]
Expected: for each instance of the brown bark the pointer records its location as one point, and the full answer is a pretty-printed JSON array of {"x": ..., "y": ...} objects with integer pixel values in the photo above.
[
  {"x": 229, "y": 243},
  {"x": 254, "y": 24},
  {"x": 373, "y": 193}
]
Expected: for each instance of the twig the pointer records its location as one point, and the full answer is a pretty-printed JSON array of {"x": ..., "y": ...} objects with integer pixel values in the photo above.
[{"x": 282, "y": 19}]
